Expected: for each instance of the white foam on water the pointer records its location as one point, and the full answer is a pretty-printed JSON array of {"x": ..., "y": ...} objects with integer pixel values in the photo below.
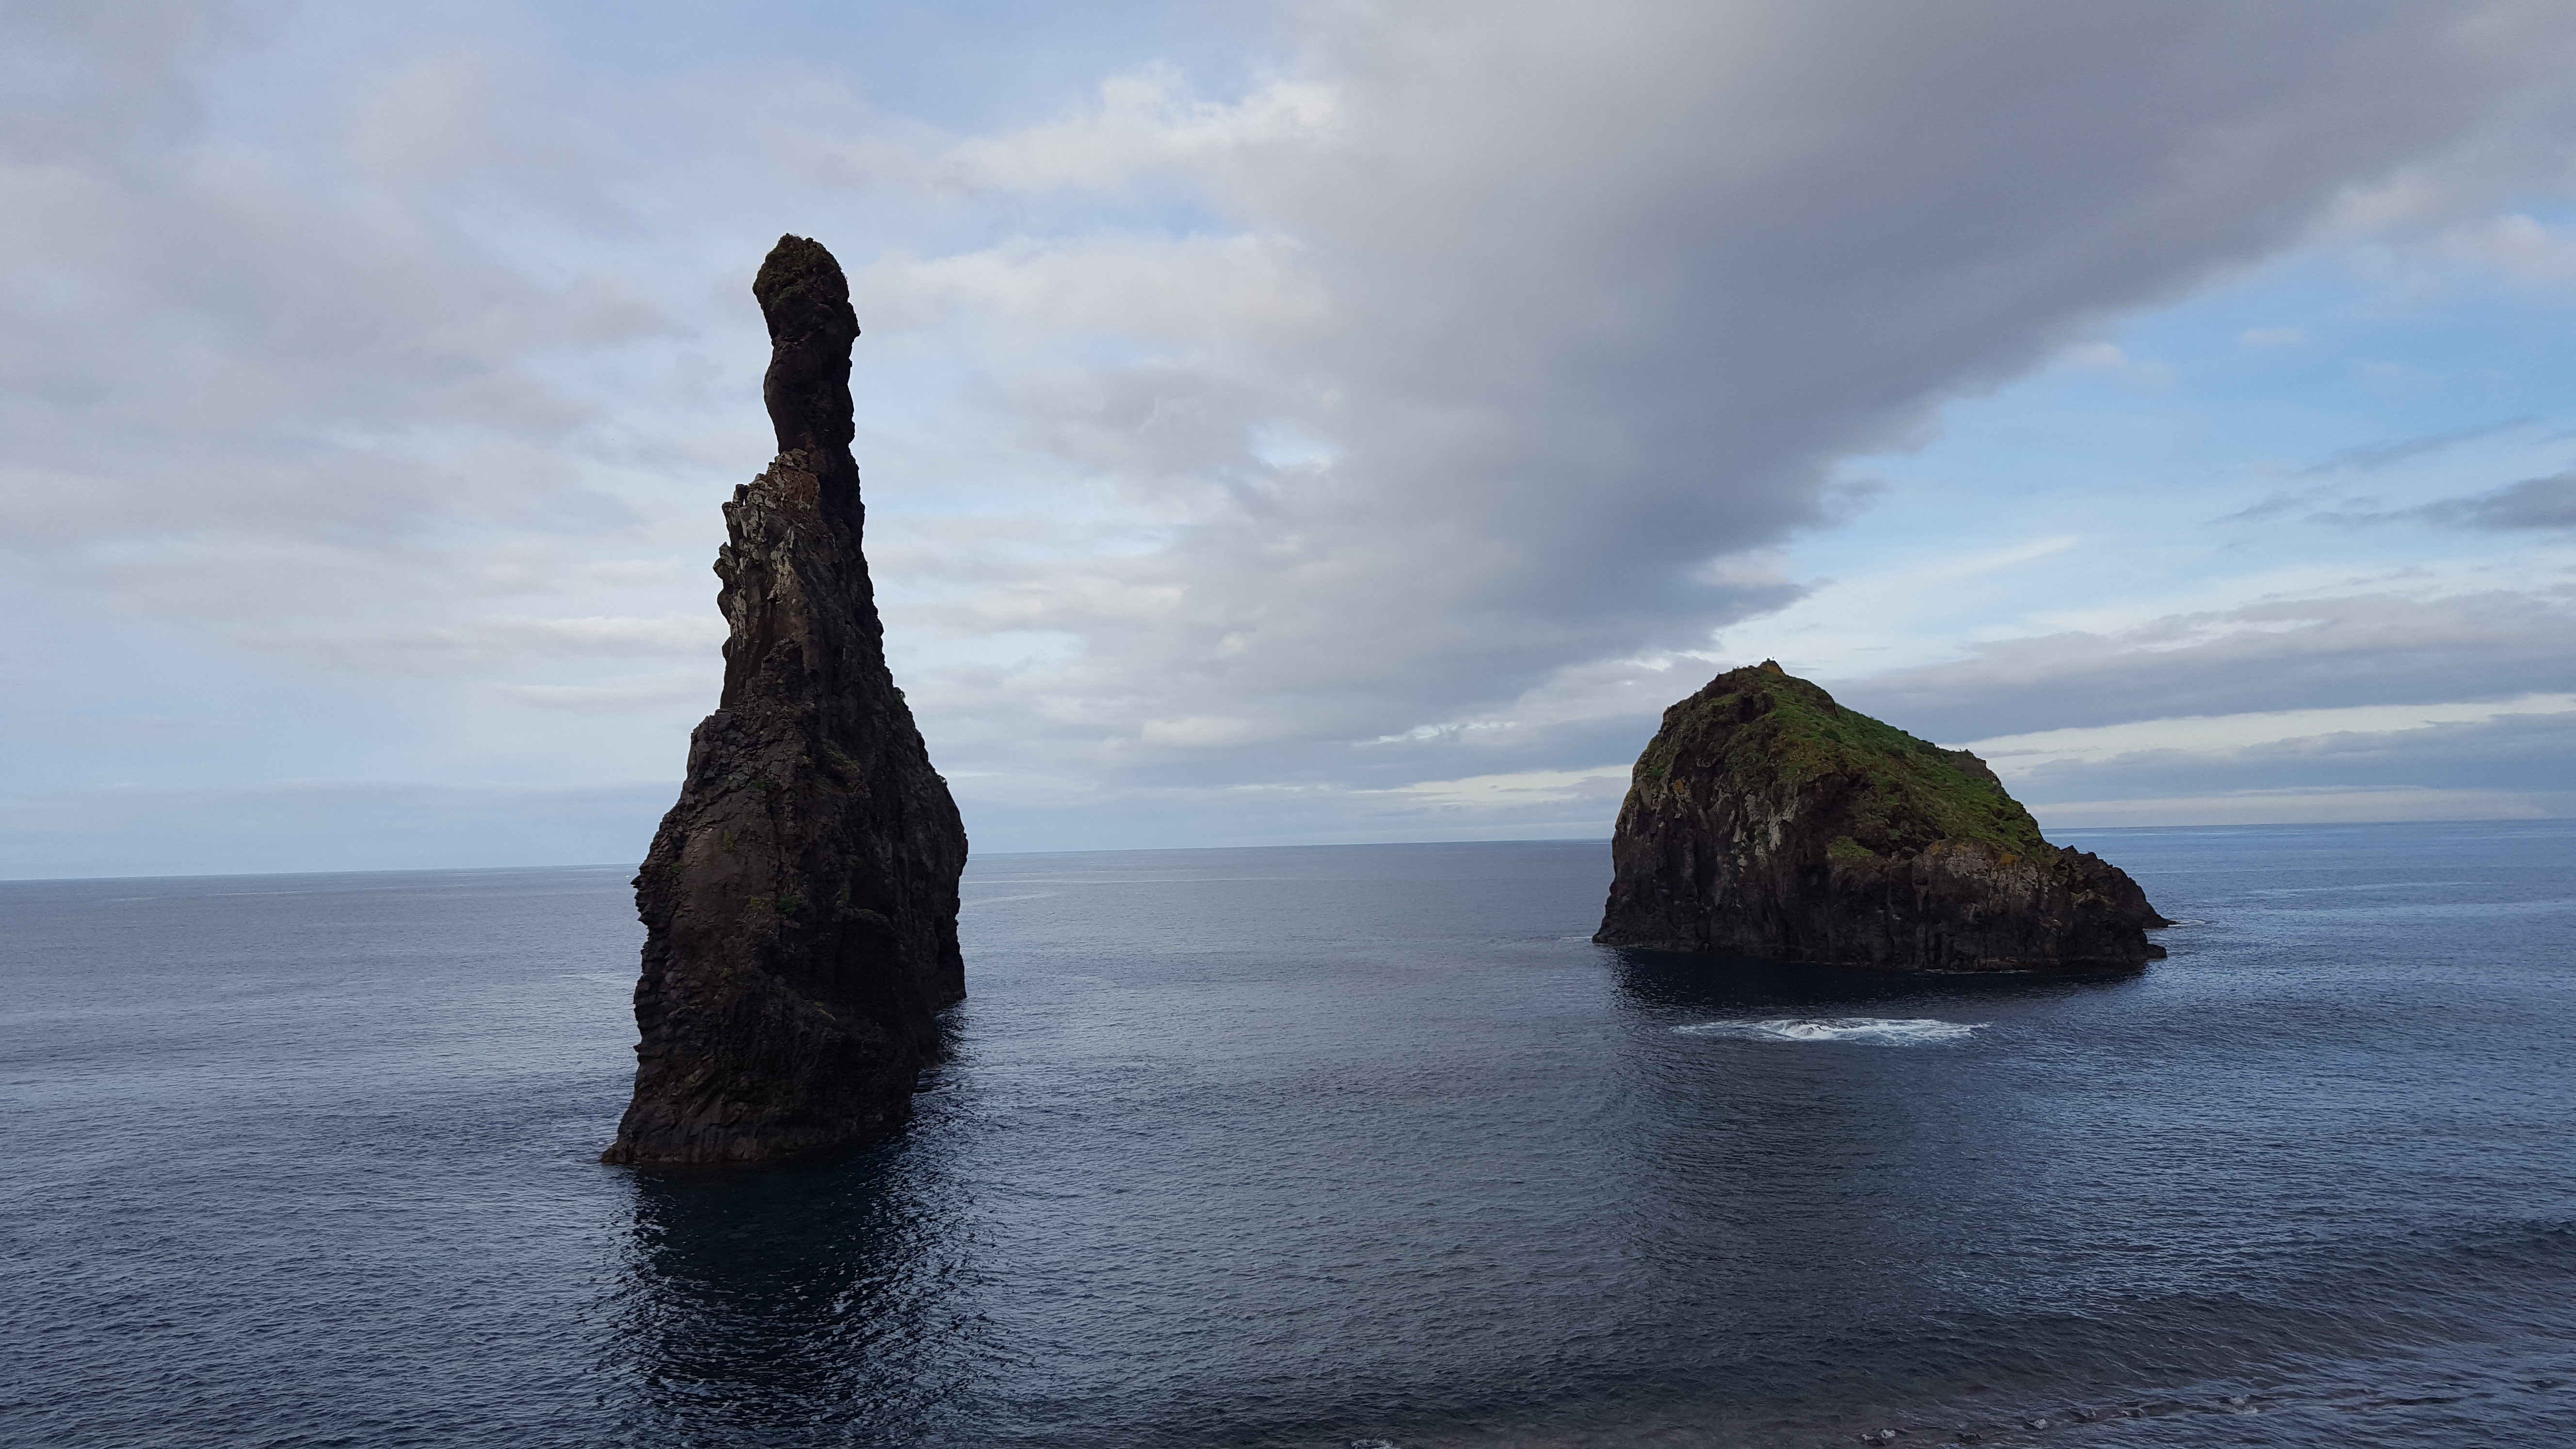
[{"x": 1872, "y": 1029}]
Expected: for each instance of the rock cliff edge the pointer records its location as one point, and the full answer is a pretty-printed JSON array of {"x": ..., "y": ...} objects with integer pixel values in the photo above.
[
  {"x": 800, "y": 901},
  {"x": 1766, "y": 820}
]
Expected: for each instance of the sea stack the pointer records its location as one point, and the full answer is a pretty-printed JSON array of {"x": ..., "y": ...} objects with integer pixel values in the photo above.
[
  {"x": 800, "y": 901},
  {"x": 1766, "y": 820}
]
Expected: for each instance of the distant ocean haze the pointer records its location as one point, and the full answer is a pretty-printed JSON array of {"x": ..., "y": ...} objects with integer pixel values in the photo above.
[{"x": 1317, "y": 1145}]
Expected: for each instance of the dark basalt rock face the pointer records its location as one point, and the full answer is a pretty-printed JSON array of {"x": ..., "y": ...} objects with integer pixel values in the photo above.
[
  {"x": 1767, "y": 820},
  {"x": 800, "y": 901}
]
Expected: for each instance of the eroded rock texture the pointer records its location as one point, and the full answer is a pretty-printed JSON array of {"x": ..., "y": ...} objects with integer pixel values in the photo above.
[
  {"x": 1766, "y": 820},
  {"x": 800, "y": 901}
]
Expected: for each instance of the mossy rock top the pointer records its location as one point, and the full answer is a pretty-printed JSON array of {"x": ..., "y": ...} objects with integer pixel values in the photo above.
[{"x": 1766, "y": 732}]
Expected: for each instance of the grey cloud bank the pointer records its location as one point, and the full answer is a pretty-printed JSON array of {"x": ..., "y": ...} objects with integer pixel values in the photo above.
[
  {"x": 2533, "y": 503},
  {"x": 2515, "y": 766},
  {"x": 1246, "y": 468},
  {"x": 322, "y": 825},
  {"x": 2311, "y": 653}
]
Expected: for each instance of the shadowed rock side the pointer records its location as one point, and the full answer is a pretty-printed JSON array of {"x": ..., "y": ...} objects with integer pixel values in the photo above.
[
  {"x": 800, "y": 901},
  {"x": 1766, "y": 820}
]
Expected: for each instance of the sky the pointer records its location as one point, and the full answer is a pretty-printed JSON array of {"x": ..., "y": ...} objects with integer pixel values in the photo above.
[{"x": 1282, "y": 423}]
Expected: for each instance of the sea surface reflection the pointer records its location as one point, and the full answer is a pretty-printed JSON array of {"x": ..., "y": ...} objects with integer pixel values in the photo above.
[
  {"x": 1319, "y": 1147},
  {"x": 798, "y": 1297}
]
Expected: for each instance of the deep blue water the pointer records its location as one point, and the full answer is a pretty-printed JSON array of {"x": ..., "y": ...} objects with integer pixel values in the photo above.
[{"x": 1313, "y": 1147}]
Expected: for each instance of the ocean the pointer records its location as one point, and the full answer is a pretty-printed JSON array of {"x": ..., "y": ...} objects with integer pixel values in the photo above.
[{"x": 1332, "y": 1146}]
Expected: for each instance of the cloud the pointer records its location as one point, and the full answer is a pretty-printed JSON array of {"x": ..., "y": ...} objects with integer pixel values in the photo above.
[
  {"x": 2515, "y": 244},
  {"x": 2371, "y": 457},
  {"x": 1400, "y": 417},
  {"x": 325, "y": 825},
  {"x": 1604, "y": 783},
  {"x": 58, "y": 107},
  {"x": 1195, "y": 291},
  {"x": 2295, "y": 654},
  {"x": 2357, "y": 805},
  {"x": 2525, "y": 748},
  {"x": 1147, "y": 123},
  {"x": 2110, "y": 358},
  {"x": 1200, "y": 731},
  {"x": 2534, "y": 503},
  {"x": 1547, "y": 419},
  {"x": 2235, "y": 734},
  {"x": 2513, "y": 759},
  {"x": 499, "y": 641},
  {"x": 239, "y": 379}
]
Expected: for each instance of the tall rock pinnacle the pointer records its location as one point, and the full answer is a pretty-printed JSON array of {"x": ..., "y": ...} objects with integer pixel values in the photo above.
[{"x": 800, "y": 901}]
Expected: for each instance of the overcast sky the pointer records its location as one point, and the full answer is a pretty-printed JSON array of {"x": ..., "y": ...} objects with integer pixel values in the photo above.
[{"x": 1282, "y": 423}]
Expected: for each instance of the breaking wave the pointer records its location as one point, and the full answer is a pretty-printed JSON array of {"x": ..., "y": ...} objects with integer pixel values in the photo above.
[{"x": 1878, "y": 1030}]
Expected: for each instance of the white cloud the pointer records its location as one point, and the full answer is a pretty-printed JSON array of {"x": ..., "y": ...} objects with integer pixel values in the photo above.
[
  {"x": 1199, "y": 291},
  {"x": 2352, "y": 805},
  {"x": 2275, "y": 658},
  {"x": 623, "y": 694},
  {"x": 2110, "y": 357},
  {"x": 1144, "y": 123},
  {"x": 2514, "y": 244},
  {"x": 2234, "y": 733},
  {"x": 1452, "y": 383},
  {"x": 1546, "y": 420},
  {"x": 1524, "y": 787},
  {"x": 1199, "y": 731}
]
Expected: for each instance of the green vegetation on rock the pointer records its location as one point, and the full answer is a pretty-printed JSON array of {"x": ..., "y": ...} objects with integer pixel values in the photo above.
[{"x": 1771, "y": 733}]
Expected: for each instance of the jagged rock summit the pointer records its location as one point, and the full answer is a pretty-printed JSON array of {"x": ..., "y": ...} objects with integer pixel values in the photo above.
[
  {"x": 1766, "y": 820},
  {"x": 800, "y": 901}
]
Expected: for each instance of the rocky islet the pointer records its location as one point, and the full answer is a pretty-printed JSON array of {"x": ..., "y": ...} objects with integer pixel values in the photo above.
[{"x": 1766, "y": 820}]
